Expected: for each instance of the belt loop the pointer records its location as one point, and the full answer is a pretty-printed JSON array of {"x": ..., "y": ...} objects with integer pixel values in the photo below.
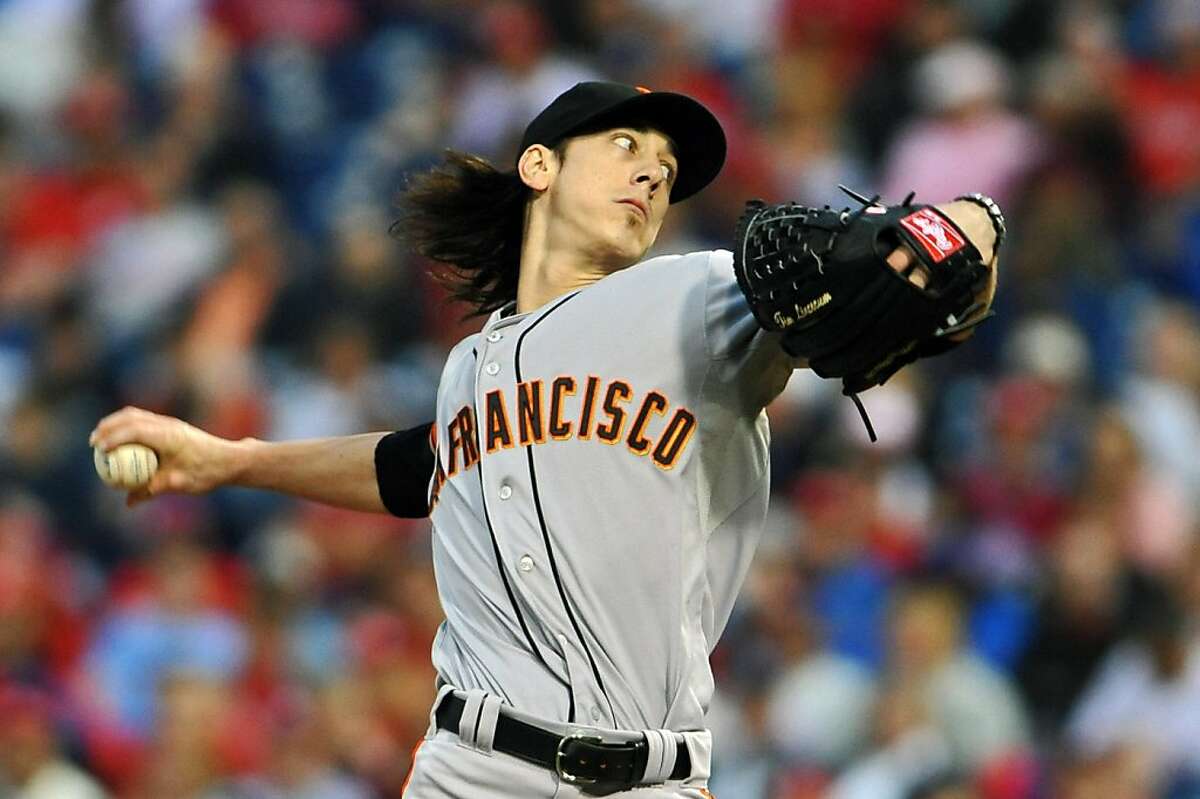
[
  {"x": 443, "y": 691},
  {"x": 661, "y": 750},
  {"x": 469, "y": 723},
  {"x": 489, "y": 716}
]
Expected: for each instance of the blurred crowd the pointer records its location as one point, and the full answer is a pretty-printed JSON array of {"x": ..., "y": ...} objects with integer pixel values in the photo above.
[{"x": 999, "y": 600}]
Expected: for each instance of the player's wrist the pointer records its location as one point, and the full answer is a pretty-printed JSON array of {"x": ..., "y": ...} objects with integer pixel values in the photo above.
[{"x": 237, "y": 460}]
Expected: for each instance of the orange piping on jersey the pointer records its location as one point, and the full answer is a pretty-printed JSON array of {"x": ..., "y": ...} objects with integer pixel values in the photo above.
[
  {"x": 529, "y": 413},
  {"x": 654, "y": 403},
  {"x": 674, "y": 439},
  {"x": 589, "y": 407},
  {"x": 561, "y": 387},
  {"x": 498, "y": 428},
  {"x": 439, "y": 480},
  {"x": 610, "y": 432},
  {"x": 412, "y": 766}
]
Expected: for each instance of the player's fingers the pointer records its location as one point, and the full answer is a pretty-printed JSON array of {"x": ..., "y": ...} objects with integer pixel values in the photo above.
[
  {"x": 906, "y": 263},
  {"x": 123, "y": 414},
  {"x": 137, "y": 497},
  {"x": 149, "y": 431},
  {"x": 164, "y": 481},
  {"x": 119, "y": 420}
]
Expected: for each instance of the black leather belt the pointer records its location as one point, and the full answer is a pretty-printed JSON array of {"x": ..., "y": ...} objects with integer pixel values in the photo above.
[{"x": 593, "y": 765}]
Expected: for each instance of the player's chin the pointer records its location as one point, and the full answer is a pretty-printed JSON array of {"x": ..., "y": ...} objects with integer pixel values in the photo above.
[{"x": 626, "y": 248}]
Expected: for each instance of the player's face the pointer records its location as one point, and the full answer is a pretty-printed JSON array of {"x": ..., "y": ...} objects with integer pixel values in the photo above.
[{"x": 612, "y": 191}]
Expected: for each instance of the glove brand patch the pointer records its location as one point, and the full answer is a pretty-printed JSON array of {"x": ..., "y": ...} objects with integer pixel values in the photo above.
[{"x": 937, "y": 237}]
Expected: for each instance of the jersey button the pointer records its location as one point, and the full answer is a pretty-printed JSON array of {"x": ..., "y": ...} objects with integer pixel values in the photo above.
[
  {"x": 595, "y": 713},
  {"x": 495, "y": 336},
  {"x": 492, "y": 368},
  {"x": 505, "y": 491},
  {"x": 525, "y": 564}
]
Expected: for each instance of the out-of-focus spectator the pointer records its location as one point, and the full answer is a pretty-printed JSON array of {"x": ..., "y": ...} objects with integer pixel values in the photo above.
[
  {"x": 848, "y": 587},
  {"x": 967, "y": 136},
  {"x": 1150, "y": 508},
  {"x": 733, "y": 34},
  {"x": 523, "y": 75},
  {"x": 1124, "y": 773},
  {"x": 184, "y": 758},
  {"x": 41, "y": 54},
  {"x": 850, "y": 32},
  {"x": 44, "y": 597},
  {"x": 909, "y": 750},
  {"x": 147, "y": 264},
  {"x": 1160, "y": 101},
  {"x": 884, "y": 98},
  {"x": 975, "y": 709},
  {"x": 1146, "y": 699},
  {"x": 217, "y": 347},
  {"x": 174, "y": 614},
  {"x": 1161, "y": 398},
  {"x": 1010, "y": 494},
  {"x": 32, "y": 764},
  {"x": 300, "y": 763},
  {"x": 818, "y": 707},
  {"x": 1091, "y": 600},
  {"x": 58, "y": 211},
  {"x": 810, "y": 153},
  {"x": 747, "y": 763}
]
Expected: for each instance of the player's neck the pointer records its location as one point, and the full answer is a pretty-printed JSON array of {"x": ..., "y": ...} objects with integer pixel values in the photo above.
[
  {"x": 549, "y": 272},
  {"x": 548, "y": 280}
]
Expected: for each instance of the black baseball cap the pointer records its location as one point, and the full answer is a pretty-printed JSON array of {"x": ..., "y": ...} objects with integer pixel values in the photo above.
[{"x": 594, "y": 105}]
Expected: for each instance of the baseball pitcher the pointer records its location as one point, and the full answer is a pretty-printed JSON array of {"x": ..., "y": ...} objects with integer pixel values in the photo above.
[{"x": 597, "y": 472}]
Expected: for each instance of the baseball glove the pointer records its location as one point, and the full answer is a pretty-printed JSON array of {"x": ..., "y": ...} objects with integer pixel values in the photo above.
[{"x": 822, "y": 279}]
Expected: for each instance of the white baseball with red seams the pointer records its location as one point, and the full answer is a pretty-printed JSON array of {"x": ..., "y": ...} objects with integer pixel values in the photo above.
[{"x": 126, "y": 467}]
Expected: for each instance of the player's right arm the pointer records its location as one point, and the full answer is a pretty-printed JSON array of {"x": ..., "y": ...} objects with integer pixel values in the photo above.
[{"x": 377, "y": 472}]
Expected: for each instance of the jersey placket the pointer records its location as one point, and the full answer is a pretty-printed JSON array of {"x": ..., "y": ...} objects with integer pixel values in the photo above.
[
  {"x": 513, "y": 507},
  {"x": 505, "y": 495},
  {"x": 505, "y": 498}
]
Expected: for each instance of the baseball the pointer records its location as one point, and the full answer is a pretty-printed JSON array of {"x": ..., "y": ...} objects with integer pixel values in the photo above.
[{"x": 127, "y": 466}]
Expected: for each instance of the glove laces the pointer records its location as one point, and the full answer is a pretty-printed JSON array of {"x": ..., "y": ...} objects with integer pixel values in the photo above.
[{"x": 862, "y": 411}]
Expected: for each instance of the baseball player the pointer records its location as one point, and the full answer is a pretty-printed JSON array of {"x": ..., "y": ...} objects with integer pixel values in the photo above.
[{"x": 597, "y": 472}]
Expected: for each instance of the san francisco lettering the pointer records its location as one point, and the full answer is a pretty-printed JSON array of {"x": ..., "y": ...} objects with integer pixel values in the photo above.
[{"x": 609, "y": 413}]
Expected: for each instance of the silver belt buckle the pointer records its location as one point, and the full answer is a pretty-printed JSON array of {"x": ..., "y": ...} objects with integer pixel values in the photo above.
[{"x": 567, "y": 777}]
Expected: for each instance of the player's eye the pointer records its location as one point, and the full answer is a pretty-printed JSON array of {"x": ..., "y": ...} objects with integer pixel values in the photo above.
[
  {"x": 626, "y": 142},
  {"x": 668, "y": 172}
]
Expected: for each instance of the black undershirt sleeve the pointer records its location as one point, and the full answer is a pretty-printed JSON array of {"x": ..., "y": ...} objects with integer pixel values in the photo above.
[{"x": 403, "y": 469}]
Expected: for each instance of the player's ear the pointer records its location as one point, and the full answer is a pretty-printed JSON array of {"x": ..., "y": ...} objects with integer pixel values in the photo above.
[{"x": 537, "y": 167}]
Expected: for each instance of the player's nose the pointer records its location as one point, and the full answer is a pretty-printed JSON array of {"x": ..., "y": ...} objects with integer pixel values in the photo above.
[{"x": 649, "y": 176}]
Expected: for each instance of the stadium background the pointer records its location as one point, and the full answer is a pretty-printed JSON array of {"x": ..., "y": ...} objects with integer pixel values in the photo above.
[{"x": 1000, "y": 599}]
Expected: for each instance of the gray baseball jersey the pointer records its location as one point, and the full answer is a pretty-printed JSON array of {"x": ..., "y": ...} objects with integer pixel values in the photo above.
[{"x": 600, "y": 485}]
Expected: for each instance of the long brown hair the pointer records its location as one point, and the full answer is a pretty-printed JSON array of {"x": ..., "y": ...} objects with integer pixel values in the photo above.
[{"x": 469, "y": 217}]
